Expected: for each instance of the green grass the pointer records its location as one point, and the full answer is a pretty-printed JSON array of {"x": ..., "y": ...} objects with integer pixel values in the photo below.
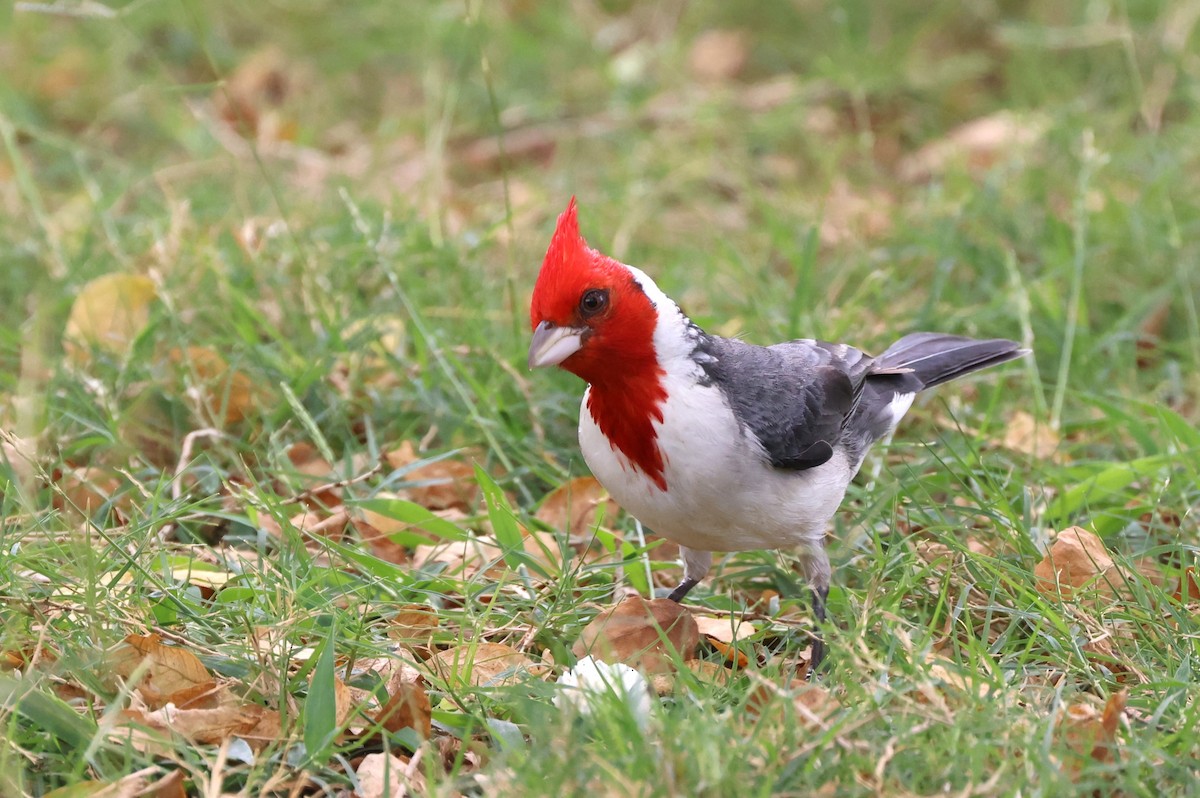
[{"x": 368, "y": 277}]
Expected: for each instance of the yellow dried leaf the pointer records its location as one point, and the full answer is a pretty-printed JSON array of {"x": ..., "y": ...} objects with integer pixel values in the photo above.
[
  {"x": 645, "y": 634},
  {"x": 108, "y": 314}
]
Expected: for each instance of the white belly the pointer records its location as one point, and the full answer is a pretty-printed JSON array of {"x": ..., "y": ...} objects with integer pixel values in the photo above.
[{"x": 722, "y": 493}]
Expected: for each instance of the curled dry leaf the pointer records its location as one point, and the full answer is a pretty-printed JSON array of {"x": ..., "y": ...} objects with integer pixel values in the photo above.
[
  {"x": 451, "y": 482},
  {"x": 108, "y": 314},
  {"x": 1077, "y": 559},
  {"x": 1189, "y": 586},
  {"x": 483, "y": 665},
  {"x": 170, "y": 671},
  {"x": 645, "y": 634}
]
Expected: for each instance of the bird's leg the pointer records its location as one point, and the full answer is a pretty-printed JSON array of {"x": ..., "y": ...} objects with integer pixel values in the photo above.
[
  {"x": 695, "y": 566},
  {"x": 815, "y": 564}
]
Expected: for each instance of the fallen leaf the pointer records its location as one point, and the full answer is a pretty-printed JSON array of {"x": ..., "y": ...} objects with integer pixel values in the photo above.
[
  {"x": 1077, "y": 559},
  {"x": 854, "y": 215},
  {"x": 451, "y": 483},
  {"x": 108, "y": 314},
  {"x": 204, "y": 726},
  {"x": 1189, "y": 586},
  {"x": 382, "y": 776},
  {"x": 414, "y": 624},
  {"x": 168, "y": 670},
  {"x": 1091, "y": 733},
  {"x": 407, "y": 705},
  {"x": 718, "y": 55},
  {"x": 483, "y": 665},
  {"x": 977, "y": 144},
  {"x": 645, "y": 634},
  {"x": 251, "y": 100},
  {"x": 577, "y": 505},
  {"x": 218, "y": 391},
  {"x": 725, "y": 630},
  {"x": 85, "y": 491},
  {"x": 1027, "y": 435}
]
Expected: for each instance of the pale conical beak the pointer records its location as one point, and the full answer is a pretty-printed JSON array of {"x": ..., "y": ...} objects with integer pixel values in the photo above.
[{"x": 552, "y": 345}]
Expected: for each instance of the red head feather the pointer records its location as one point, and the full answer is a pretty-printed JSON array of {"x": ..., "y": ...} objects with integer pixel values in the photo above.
[{"x": 618, "y": 358}]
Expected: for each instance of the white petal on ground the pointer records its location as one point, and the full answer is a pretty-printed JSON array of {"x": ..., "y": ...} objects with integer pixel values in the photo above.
[{"x": 591, "y": 682}]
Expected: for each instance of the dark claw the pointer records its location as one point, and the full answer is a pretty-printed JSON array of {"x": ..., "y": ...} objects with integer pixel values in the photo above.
[
  {"x": 682, "y": 589},
  {"x": 818, "y": 645}
]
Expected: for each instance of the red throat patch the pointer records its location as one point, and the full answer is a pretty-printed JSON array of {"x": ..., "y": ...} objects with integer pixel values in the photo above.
[{"x": 626, "y": 415}]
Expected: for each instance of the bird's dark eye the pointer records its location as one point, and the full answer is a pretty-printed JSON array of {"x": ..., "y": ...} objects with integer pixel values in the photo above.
[{"x": 593, "y": 301}]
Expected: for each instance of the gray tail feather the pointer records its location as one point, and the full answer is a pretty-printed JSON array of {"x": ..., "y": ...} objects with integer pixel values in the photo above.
[{"x": 934, "y": 358}]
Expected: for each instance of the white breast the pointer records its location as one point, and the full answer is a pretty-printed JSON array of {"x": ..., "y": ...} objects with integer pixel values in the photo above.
[{"x": 722, "y": 493}]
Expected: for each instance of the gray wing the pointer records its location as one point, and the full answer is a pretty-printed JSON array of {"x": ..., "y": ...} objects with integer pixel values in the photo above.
[{"x": 794, "y": 397}]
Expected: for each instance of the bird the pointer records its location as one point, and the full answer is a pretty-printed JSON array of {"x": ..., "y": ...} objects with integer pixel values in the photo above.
[{"x": 718, "y": 444}]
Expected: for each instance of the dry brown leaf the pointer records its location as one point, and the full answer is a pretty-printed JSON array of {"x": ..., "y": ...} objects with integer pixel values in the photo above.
[
  {"x": 977, "y": 144},
  {"x": 382, "y": 776},
  {"x": 169, "y": 670},
  {"x": 250, "y": 100},
  {"x": 641, "y": 633},
  {"x": 1189, "y": 586},
  {"x": 86, "y": 490},
  {"x": 1077, "y": 559},
  {"x": 108, "y": 314},
  {"x": 726, "y": 630},
  {"x": 414, "y": 624},
  {"x": 718, "y": 55},
  {"x": 452, "y": 482},
  {"x": 267, "y": 731},
  {"x": 483, "y": 665},
  {"x": 1091, "y": 733},
  {"x": 407, "y": 705},
  {"x": 575, "y": 506},
  {"x": 1027, "y": 435},
  {"x": 467, "y": 557},
  {"x": 204, "y": 726},
  {"x": 220, "y": 392},
  {"x": 811, "y": 703},
  {"x": 19, "y": 455},
  {"x": 852, "y": 215},
  {"x": 379, "y": 543}
]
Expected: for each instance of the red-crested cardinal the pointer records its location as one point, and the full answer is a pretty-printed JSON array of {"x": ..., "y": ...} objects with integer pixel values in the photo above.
[{"x": 717, "y": 444}]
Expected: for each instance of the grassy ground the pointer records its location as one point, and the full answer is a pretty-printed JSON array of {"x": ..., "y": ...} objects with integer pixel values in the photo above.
[{"x": 329, "y": 219}]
